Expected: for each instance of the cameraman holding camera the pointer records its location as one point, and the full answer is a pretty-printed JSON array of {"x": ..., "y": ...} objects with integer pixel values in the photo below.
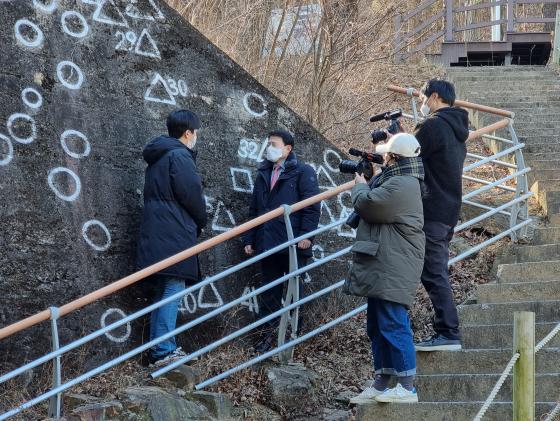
[{"x": 387, "y": 264}]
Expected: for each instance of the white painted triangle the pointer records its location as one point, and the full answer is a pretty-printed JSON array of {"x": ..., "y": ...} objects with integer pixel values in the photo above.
[
  {"x": 216, "y": 224},
  {"x": 157, "y": 81},
  {"x": 218, "y": 302},
  {"x": 100, "y": 14},
  {"x": 324, "y": 178},
  {"x": 251, "y": 303},
  {"x": 151, "y": 50},
  {"x": 325, "y": 212},
  {"x": 134, "y": 12}
]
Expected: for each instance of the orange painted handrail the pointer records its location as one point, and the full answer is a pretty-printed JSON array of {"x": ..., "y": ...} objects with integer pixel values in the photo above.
[
  {"x": 170, "y": 261},
  {"x": 459, "y": 103},
  {"x": 489, "y": 129}
]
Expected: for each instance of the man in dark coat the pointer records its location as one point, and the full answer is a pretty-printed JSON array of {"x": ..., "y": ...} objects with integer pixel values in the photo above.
[
  {"x": 281, "y": 179},
  {"x": 442, "y": 136},
  {"x": 174, "y": 216}
]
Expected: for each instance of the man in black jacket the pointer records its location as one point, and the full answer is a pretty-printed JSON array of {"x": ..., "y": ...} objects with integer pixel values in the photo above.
[
  {"x": 442, "y": 136},
  {"x": 281, "y": 179},
  {"x": 174, "y": 215}
]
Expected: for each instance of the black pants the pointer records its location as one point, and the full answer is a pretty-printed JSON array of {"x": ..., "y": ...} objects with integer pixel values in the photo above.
[
  {"x": 272, "y": 268},
  {"x": 435, "y": 278}
]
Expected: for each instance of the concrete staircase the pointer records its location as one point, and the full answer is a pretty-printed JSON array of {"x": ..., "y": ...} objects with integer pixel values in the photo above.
[{"x": 454, "y": 385}]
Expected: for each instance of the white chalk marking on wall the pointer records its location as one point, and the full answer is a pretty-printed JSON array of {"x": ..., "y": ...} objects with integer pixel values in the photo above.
[
  {"x": 8, "y": 155},
  {"x": 186, "y": 306},
  {"x": 307, "y": 278},
  {"x": 220, "y": 209},
  {"x": 34, "y": 42},
  {"x": 326, "y": 155},
  {"x": 252, "y": 149},
  {"x": 59, "y": 194},
  {"x": 151, "y": 50},
  {"x": 19, "y": 116},
  {"x": 26, "y": 97},
  {"x": 209, "y": 206},
  {"x": 134, "y": 12},
  {"x": 96, "y": 223},
  {"x": 324, "y": 178},
  {"x": 318, "y": 252},
  {"x": 246, "y": 180},
  {"x": 183, "y": 88},
  {"x": 70, "y": 14},
  {"x": 109, "y": 335},
  {"x": 49, "y": 7},
  {"x": 254, "y": 113},
  {"x": 349, "y": 209},
  {"x": 326, "y": 211},
  {"x": 205, "y": 304},
  {"x": 159, "y": 81},
  {"x": 65, "y": 80},
  {"x": 92, "y": 2},
  {"x": 100, "y": 14},
  {"x": 344, "y": 230},
  {"x": 82, "y": 137},
  {"x": 251, "y": 303}
]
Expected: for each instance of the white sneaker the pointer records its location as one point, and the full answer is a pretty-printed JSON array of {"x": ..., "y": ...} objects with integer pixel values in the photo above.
[
  {"x": 368, "y": 395},
  {"x": 169, "y": 358},
  {"x": 398, "y": 395}
]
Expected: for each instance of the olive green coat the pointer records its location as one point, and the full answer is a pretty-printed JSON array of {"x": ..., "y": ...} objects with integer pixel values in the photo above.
[{"x": 388, "y": 254}]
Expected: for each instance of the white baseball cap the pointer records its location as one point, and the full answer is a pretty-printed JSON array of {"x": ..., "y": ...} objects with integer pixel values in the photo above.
[{"x": 402, "y": 144}]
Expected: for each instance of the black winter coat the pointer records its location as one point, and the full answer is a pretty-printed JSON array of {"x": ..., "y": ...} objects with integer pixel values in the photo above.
[
  {"x": 296, "y": 183},
  {"x": 174, "y": 207},
  {"x": 442, "y": 138}
]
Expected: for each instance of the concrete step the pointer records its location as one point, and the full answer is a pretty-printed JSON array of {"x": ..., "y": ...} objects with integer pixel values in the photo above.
[
  {"x": 540, "y": 145},
  {"x": 545, "y": 186},
  {"x": 498, "y": 69},
  {"x": 481, "y": 361},
  {"x": 521, "y": 103},
  {"x": 535, "y": 271},
  {"x": 486, "y": 79},
  {"x": 541, "y": 136},
  {"x": 549, "y": 235},
  {"x": 522, "y": 254},
  {"x": 549, "y": 164},
  {"x": 530, "y": 157},
  {"x": 500, "y": 336},
  {"x": 441, "y": 411},
  {"x": 520, "y": 291},
  {"x": 487, "y": 314}
]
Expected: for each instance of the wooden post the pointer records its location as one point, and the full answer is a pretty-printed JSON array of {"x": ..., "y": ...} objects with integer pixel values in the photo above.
[
  {"x": 510, "y": 15},
  {"x": 448, "y": 20},
  {"x": 556, "y": 40},
  {"x": 524, "y": 370}
]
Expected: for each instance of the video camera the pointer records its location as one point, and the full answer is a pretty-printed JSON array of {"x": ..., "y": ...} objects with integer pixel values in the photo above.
[
  {"x": 363, "y": 166},
  {"x": 395, "y": 127}
]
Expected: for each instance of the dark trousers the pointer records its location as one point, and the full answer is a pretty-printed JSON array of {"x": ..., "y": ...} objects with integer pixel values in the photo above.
[
  {"x": 388, "y": 328},
  {"x": 435, "y": 278},
  {"x": 272, "y": 268}
]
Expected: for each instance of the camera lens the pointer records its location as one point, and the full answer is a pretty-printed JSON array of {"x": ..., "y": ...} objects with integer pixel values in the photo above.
[
  {"x": 378, "y": 136},
  {"x": 348, "y": 166}
]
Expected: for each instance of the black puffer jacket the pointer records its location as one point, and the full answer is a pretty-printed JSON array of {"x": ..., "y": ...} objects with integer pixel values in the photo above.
[
  {"x": 442, "y": 137},
  {"x": 174, "y": 207}
]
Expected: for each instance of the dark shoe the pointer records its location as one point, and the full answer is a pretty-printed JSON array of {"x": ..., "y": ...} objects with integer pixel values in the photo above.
[
  {"x": 265, "y": 344},
  {"x": 438, "y": 343},
  {"x": 167, "y": 359}
]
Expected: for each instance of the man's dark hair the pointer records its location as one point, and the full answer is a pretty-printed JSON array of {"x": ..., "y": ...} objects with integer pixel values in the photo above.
[
  {"x": 286, "y": 136},
  {"x": 178, "y": 122},
  {"x": 443, "y": 88}
]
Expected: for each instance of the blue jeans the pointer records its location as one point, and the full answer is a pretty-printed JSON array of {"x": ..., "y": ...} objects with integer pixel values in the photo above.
[
  {"x": 164, "y": 318},
  {"x": 392, "y": 345}
]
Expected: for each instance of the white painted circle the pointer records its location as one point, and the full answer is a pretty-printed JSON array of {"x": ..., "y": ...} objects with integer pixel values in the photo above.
[
  {"x": 341, "y": 201},
  {"x": 320, "y": 251},
  {"x": 77, "y": 155},
  {"x": 24, "y": 140},
  {"x": 46, "y": 8},
  {"x": 104, "y": 325},
  {"x": 10, "y": 154},
  {"x": 69, "y": 14},
  {"x": 248, "y": 108},
  {"x": 95, "y": 222},
  {"x": 39, "y": 37},
  {"x": 65, "y": 82},
  {"x": 183, "y": 88},
  {"x": 59, "y": 194},
  {"x": 326, "y": 159},
  {"x": 32, "y": 104},
  {"x": 186, "y": 303}
]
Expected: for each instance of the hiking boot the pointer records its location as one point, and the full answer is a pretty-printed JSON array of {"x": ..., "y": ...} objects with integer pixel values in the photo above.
[
  {"x": 367, "y": 396},
  {"x": 398, "y": 394},
  {"x": 438, "y": 343},
  {"x": 168, "y": 359}
]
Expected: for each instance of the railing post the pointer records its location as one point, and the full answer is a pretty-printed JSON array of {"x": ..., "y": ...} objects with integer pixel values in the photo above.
[
  {"x": 292, "y": 295},
  {"x": 521, "y": 187},
  {"x": 55, "y": 403},
  {"x": 398, "y": 38},
  {"x": 524, "y": 370},
  {"x": 448, "y": 4},
  {"x": 556, "y": 41},
  {"x": 510, "y": 15},
  {"x": 410, "y": 93}
]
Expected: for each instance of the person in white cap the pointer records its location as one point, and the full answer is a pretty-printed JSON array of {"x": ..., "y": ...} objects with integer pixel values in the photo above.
[{"x": 388, "y": 256}]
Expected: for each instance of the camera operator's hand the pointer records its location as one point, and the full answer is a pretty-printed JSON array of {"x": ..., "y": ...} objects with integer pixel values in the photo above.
[
  {"x": 360, "y": 179},
  {"x": 304, "y": 244},
  {"x": 249, "y": 250}
]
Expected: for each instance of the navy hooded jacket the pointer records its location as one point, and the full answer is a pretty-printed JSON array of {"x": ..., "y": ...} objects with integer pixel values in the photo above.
[
  {"x": 174, "y": 207},
  {"x": 297, "y": 182}
]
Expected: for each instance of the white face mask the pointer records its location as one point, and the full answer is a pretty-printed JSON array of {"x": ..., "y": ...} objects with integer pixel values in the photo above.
[
  {"x": 273, "y": 154},
  {"x": 425, "y": 109}
]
